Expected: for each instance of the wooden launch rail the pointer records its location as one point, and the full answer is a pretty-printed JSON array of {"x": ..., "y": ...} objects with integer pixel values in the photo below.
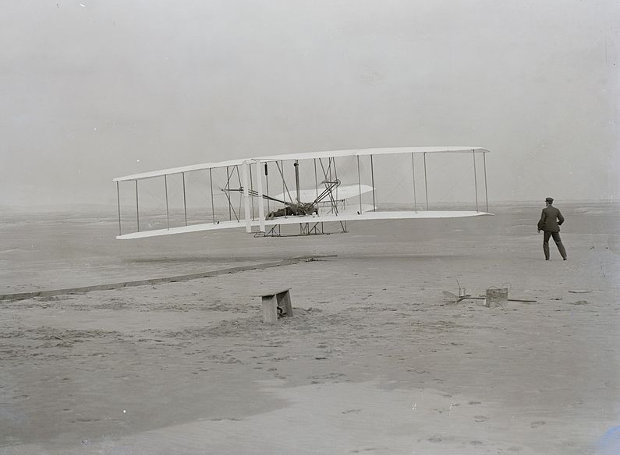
[{"x": 193, "y": 276}]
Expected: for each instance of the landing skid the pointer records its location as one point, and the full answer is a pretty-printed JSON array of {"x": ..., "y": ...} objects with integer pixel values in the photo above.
[{"x": 305, "y": 229}]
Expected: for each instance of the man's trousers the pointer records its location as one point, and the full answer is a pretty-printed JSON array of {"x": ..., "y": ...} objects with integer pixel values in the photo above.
[{"x": 558, "y": 242}]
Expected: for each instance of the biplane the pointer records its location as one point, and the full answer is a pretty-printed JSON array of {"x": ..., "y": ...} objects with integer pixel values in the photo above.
[{"x": 311, "y": 190}]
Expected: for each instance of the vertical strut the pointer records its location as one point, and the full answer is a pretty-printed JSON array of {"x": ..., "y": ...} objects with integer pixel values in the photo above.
[
  {"x": 261, "y": 207},
  {"x": 425, "y": 182},
  {"x": 212, "y": 202},
  {"x": 297, "y": 189},
  {"x": 137, "y": 208},
  {"x": 167, "y": 208},
  {"x": 184, "y": 199},
  {"x": 316, "y": 180},
  {"x": 118, "y": 200},
  {"x": 335, "y": 177},
  {"x": 283, "y": 185},
  {"x": 486, "y": 193},
  {"x": 252, "y": 186},
  {"x": 240, "y": 185},
  {"x": 267, "y": 182},
  {"x": 372, "y": 176},
  {"x": 246, "y": 196},
  {"x": 228, "y": 187},
  {"x": 415, "y": 202},
  {"x": 359, "y": 182},
  {"x": 473, "y": 154}
]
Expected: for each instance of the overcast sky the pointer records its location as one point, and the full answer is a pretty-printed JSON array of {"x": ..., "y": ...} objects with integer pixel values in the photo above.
[{"x": 95, "y": 89}]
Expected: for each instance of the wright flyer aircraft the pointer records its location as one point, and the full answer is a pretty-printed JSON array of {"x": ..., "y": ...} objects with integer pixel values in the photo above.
[{"x": 270, "y": 194}]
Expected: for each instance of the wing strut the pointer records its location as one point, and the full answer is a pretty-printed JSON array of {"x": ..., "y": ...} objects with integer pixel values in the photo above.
[
  {"x": 251, "y": 185},
  {"x": 415, "y": 202},
  {"x": 486, "y": 192},
  {"x": 267, "y": 183},
  {"x": 118, "y": 201},
  {"x": 240, "y": 184},
  {"x": 227, "y": 197},
  {"x": 261, "y": 207},
  {"x": 167, "y": 207},
  {"x": 137, "y": 208},
  {"x": 316, "y": 179},
  {"x": 184, "y": 199},
  {"x": 212, "y": 202},
  {"x": 359, "y": 182},
  {"x": 425, "y": 182},
  {"x": 297, "y": 189},
  {"x": 372, "y": 177},
  {"x": 246, "y": 198},
  {"x": 473, "y": 155}
]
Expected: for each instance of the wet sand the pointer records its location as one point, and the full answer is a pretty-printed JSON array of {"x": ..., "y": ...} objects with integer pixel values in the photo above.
[{"x": 374, "y": 360}]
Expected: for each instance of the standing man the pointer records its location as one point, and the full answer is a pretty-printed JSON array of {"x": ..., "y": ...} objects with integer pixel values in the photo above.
[{"x": 550, "y": 221}]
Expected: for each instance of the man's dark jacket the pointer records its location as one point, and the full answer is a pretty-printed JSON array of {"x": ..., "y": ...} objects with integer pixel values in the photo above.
[{"x": 550, "y": 219}]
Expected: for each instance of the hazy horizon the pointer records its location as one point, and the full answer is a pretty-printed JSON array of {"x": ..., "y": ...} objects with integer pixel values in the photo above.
[{"x": 111, "y": 208}]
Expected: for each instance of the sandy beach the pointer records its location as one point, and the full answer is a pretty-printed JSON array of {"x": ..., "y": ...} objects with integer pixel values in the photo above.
[{"x": 374, "y": 360}]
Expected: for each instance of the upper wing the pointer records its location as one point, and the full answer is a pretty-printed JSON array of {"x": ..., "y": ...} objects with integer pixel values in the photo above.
[
  {"x": 372, "y": 151},
  {"x": 179, "y": 170}
]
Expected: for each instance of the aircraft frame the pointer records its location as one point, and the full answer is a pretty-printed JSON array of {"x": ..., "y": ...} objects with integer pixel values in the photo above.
[{"x": 253, "y": 179}]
